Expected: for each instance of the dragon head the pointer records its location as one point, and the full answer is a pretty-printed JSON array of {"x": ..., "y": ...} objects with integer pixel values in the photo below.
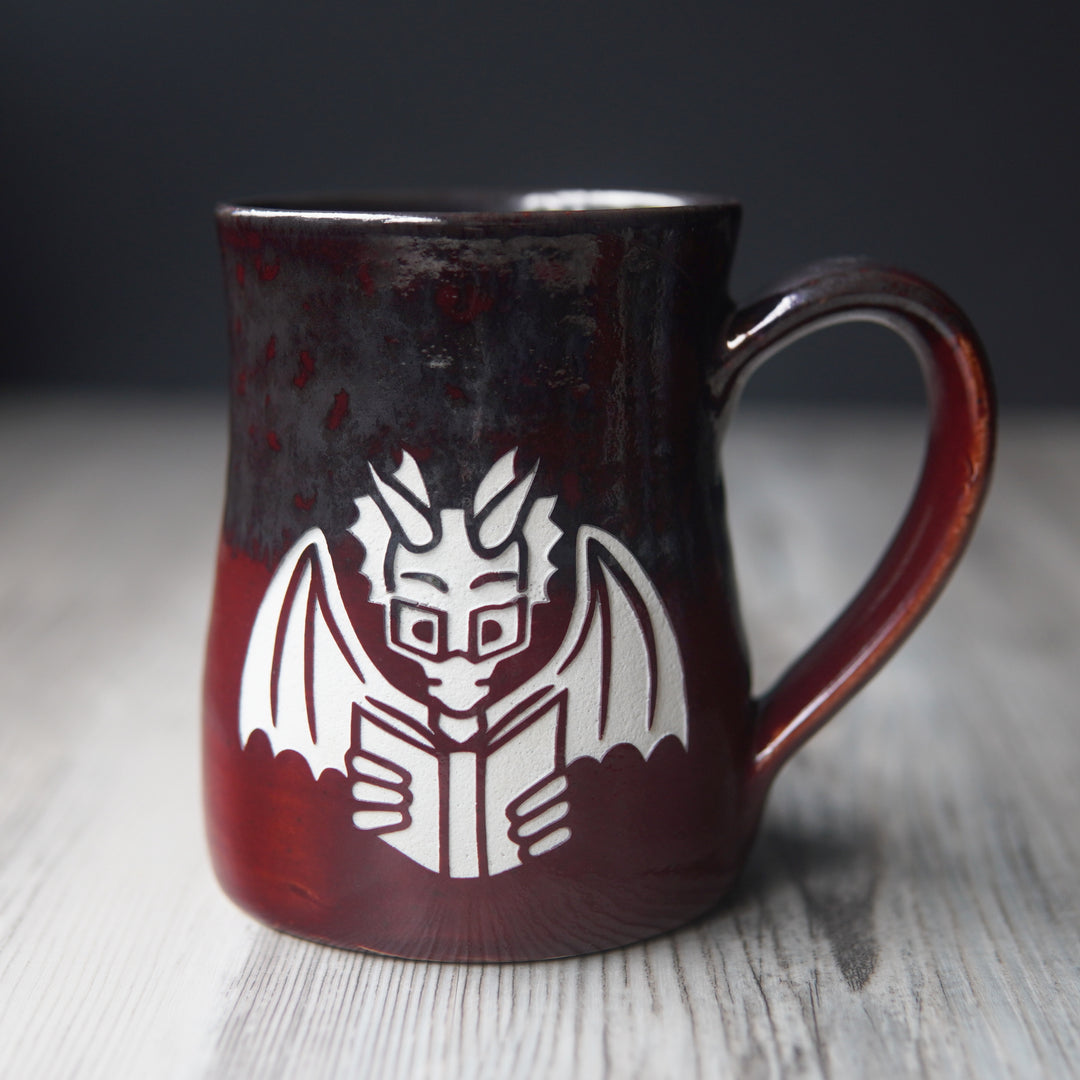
[{"x": 458, "y": 584}]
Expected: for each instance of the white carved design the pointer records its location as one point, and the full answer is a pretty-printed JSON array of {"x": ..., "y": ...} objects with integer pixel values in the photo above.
[{"x": 459, "y": 783}]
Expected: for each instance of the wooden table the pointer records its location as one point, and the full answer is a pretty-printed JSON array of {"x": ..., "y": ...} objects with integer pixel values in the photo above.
[{"x": 912, "y": 906}]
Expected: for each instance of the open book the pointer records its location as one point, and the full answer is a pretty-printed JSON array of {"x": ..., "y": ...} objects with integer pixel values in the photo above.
[{"x": 459, "y": 819}]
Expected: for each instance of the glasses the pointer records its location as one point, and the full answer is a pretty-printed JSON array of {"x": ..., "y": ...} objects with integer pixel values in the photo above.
[{"x": 425, "y": 630}]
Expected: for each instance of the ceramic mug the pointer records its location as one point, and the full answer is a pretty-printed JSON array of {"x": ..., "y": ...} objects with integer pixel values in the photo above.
[{"x": 476, "y": 687}]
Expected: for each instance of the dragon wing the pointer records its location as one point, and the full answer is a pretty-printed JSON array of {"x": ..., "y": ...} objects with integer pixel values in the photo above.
[
  {"x": 619, "y": 663},
  {"x": 305, "y": 666}
]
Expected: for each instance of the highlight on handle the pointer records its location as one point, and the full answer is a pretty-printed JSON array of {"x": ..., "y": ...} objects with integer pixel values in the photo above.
[{"x": 949, "y": 494}]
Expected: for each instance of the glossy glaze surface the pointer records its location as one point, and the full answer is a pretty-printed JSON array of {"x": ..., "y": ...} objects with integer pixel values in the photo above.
[{"x": 588, "y": 349}]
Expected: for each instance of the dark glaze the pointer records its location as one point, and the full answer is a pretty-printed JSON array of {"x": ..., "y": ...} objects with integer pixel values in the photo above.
[{"x": 602, "y": 345}]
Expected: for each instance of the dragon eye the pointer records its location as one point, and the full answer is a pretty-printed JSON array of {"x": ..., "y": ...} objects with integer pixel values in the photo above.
[
  {"x": 415, "y": 628},
  {"x": 497, "y": 628}
]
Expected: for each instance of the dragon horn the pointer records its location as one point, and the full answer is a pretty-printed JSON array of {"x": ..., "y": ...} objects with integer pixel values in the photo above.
[
  {"x": 501, "y": 518},
  {"x": 499, "y": 477},
  {"x": 413, "y": 524},
  {"x": 408, "y": 476}
]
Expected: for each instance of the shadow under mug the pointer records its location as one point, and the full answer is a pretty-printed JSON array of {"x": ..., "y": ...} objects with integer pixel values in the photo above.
[{"x": 476, "y": 687}]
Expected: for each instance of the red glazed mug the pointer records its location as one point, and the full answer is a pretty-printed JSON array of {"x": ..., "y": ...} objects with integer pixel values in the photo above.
[{"x": 476, "y": 687}]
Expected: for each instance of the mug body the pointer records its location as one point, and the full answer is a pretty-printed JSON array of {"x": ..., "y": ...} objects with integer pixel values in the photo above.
[{"x": 475, "y": 685}]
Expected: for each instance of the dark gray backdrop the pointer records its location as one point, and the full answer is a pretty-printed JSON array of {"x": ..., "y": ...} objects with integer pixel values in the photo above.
[{"x": 937, "y": 136}]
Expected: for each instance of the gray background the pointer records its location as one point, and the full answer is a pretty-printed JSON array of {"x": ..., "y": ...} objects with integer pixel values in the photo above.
[{"x": 937, "y": 136}]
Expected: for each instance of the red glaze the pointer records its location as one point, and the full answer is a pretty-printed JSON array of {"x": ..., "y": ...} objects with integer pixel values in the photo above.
[
  {"x": 602, "y": 347},
  {"x": 947, "y": 501}
]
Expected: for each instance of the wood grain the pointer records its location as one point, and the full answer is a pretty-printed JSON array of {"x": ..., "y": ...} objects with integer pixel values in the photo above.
[{"x": 912, "y": 906}]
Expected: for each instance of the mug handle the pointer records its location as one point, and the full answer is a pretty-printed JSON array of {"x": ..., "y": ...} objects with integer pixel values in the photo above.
[{"x": 950, "y": 491}]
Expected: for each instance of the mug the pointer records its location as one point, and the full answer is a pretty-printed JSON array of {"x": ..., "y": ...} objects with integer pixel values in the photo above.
[{"x": 476, "y": 686}]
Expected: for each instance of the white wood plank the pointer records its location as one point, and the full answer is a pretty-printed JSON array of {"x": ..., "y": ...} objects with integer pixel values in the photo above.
[{"x": 912, "y": 906}]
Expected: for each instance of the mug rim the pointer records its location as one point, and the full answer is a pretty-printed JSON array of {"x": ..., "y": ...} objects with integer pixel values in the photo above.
[{"x": 442, "y": 206}]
